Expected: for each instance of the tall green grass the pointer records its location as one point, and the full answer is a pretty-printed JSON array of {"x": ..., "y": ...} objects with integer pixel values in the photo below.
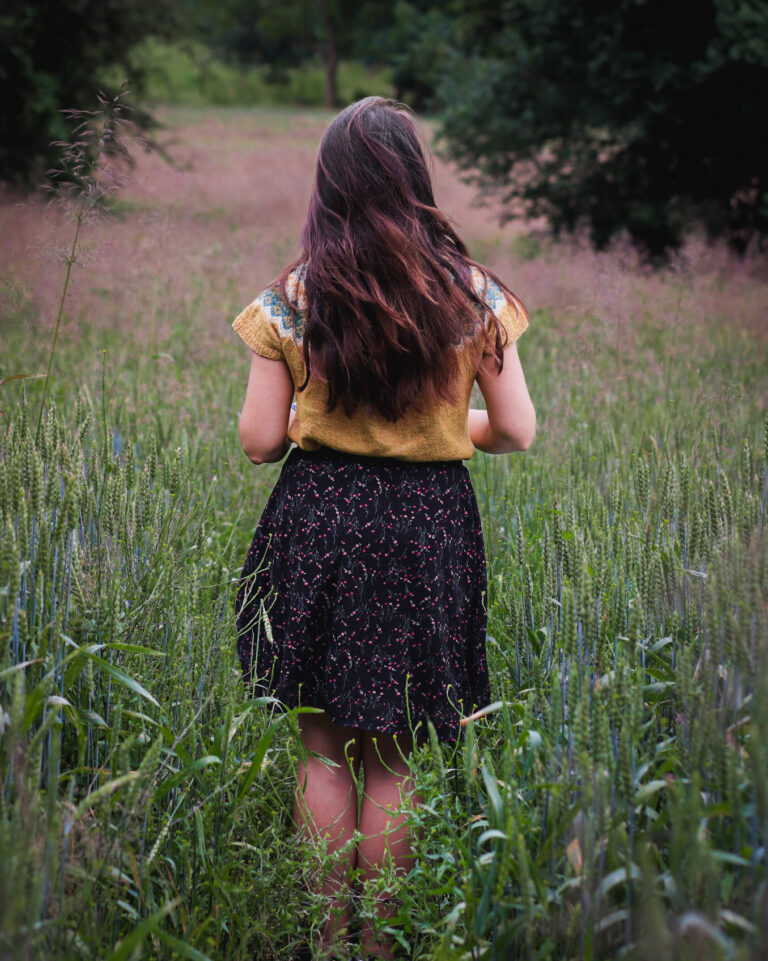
[
  {"x": 613, "y": 802},
  {"x": 615, "y": 798},
  {"x": 130, "y": 761}
]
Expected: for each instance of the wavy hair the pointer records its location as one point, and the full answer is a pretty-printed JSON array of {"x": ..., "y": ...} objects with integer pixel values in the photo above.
[{"x": 388, "y": 281}]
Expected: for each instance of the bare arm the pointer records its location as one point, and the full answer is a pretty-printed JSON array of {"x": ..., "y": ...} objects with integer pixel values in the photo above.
[
  {"x": 509, "y": 421},
  {"x": 266, "y": 414}
]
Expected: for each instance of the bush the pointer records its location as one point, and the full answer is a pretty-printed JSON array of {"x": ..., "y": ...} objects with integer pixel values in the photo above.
[{"x": 188, "y": 74}]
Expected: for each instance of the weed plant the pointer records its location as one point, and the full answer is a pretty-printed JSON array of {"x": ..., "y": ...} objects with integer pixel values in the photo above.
[{"x": 611, "y": 803}]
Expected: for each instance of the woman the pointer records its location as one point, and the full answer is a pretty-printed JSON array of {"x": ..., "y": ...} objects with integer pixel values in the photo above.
[{"x": 363, "y": 593}]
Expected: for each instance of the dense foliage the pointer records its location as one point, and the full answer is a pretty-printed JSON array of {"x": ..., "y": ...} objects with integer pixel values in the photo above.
[
  {"x": 281, "y": 34},
  {"x": 53, "y": 56},
  {"x": 629, "y": 115}
]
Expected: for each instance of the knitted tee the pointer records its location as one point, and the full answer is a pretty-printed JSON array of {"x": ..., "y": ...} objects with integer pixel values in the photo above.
[{"x": 273, "y": 327}]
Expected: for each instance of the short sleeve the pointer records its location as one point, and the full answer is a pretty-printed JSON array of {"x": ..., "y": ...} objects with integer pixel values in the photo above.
[
  {"x": 259, "y": 324},
  {"x": 510, "y": 312}
]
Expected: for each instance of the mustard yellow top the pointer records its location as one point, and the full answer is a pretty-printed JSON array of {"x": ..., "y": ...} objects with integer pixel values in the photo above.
[{"x": 273, "y": 327}]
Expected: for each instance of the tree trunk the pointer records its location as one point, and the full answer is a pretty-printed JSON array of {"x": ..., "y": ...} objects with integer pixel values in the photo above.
[{"x": 330, "y": 56}]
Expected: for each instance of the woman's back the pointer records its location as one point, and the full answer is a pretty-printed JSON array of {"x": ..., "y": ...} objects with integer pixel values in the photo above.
[{"x": 274, "y": 326}]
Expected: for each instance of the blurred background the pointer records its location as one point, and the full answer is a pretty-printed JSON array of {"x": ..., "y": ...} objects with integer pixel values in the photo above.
[{"x": 641, "y": 117}]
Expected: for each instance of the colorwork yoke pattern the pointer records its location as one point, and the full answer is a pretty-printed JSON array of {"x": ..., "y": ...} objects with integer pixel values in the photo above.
[{"x": 274, "y": 328}]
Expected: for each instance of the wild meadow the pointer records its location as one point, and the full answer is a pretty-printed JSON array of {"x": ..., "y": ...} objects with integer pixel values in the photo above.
[{"x": 611, "y": 803}]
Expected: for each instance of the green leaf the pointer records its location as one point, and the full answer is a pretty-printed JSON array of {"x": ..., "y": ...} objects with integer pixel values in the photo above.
[
  {"x": 731, "y": 917},
  {"x": 108, "y": 668},
  {"x": 490, "y": 709},
  {"x": 122, "y": 677},
  {"x": 646, "y": 791},
  {"x": 151, "y": 924},
  {"x": 184, "y": 949},
  {"x": 490, "y": 835},
  {"x": 492, "y": 789},
  {"x": 665, "y": 673},
  {"x": 535, "y": 739},
  {"x": 259, "y": 754},
  {"x": 610, "y": 919},
  {"x": 104, "y": 791},
  {"x": 92, "y": 718},
  {"x": 730, "y": 858},
  {"x": 19, "y": 666},
  {"x": 658, "y": 687},
  {"x": 135, "y": 648},
  {"x": 58, "y": 700},
  {"x": 660, "y": 644},
  {"x": 200, "y": 831},
  {"x": 175, "y": 779},
  {"x": 619, "y": 876},
  {"x": 33, "y": 706}
]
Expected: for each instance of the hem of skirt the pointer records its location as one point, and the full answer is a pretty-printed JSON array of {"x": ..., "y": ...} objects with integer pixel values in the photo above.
[{"x": 419, "y": 730}]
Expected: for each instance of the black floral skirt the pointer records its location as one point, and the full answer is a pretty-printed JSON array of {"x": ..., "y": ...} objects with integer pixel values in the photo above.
[{"x": 363, "y": 593}]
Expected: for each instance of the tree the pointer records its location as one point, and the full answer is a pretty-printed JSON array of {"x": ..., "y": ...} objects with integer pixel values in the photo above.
[
  {"x": 411, "y": 37},
  {"x": 285, "y": 33},
  {"x": 623, "y": 114},
  {"x": 54, "y": 53}
]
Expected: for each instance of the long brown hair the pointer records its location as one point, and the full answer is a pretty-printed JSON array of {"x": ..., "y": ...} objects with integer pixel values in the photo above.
[{"x": 388, "y": 281}]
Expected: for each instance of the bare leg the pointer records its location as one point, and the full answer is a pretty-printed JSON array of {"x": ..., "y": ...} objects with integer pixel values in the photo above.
[
  {"x": 326, "y": 807},
  {"x": 383, "y": 833}
]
